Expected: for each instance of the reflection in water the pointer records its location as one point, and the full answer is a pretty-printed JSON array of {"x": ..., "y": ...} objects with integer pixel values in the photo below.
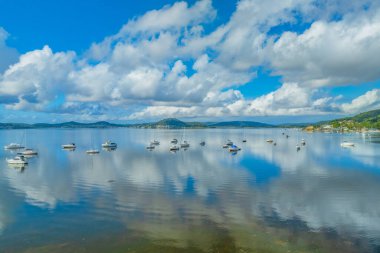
[{"x": 202, "y": 199}]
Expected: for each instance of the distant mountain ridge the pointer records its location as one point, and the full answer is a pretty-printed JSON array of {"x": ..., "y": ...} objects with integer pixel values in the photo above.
[
  {"x": 170, "y": 123},
  {"x": 70, "y": 124}
]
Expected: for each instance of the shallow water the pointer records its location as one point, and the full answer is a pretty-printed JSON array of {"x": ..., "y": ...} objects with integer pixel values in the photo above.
[{"x": 265, "y": 198}]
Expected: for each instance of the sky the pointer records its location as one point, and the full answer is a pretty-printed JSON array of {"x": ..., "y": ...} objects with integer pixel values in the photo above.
[{"x": 278, "y": 61}]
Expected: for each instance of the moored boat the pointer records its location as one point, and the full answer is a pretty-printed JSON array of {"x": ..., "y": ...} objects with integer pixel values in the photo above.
[
  {"x": 155, "y": 142},
  {"x": 13, "y": 146},
  {"x": 234, "y": 148},
  {"x": 185, "y": 144},
  {"x": 17, "y": 160},
  {"x": 109, "y": 144},
  {"x": 92, "y": 151},
  {"x": 347, "y": 144},
  {"x": 29, "y": 152},
  {"x": 174, "y": 148},
  {"x": 69, "y": 146}
]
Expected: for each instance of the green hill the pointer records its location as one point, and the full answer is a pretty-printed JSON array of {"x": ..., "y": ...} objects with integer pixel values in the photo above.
[{"x": 370, "y": 119}]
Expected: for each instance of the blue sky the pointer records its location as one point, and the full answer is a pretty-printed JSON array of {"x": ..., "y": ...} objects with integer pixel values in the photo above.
[{"x": 273, "y": 61}]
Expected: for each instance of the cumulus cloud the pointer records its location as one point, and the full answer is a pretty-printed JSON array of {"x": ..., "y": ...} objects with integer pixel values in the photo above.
[
  {"x": 368, "y": 101},
  {"x": 37, "y": 78},
  {"x": 166, "y": 63}
]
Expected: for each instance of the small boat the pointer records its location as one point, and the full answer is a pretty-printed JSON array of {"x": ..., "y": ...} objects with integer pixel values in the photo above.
[
  {"x": 225, "y": 146},
  {"x": 155, "y": 142},
  {"x": 13, "y": 146},
  {"x": 150, "y": 147},
  {"x": 69, "y": 146},
  {"x": 274, "y": 144},
  {"x": 17, "y": 160},
  {"x": 110, "y": 149},
  {"x": 303, "y": 142},
  {"x": 287, "y": 136},
  {"x": 269, "y": 141},
  {"x": 174, "y": 141},
  {"x": 234, "y": 148},
  {"x": 29, "y": 152},
  {"x": 109, "y": 144},
  {"x": 92, "y": 151},
  {"x": 174, "y": 148},
  {"x": 229, "y": 143},
  {"x": 298, "y": 147},
  {"x": 244, "y": 140},
  {"x": 202, "y": 143},
  {"x": 346, "y": 144},
  {"x": 185, "y": 144}
]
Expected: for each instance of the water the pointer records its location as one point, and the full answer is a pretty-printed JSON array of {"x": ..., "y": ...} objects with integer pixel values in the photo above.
[{"x": 265, "y": 198}]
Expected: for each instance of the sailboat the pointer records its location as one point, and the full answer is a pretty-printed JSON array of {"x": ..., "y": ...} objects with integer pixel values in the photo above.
[
  {"x": 69, "y": 146},
  {"x": 109, "y": 144},
  {"x": 184, "y": 144},
  {"x": 14, "y": 145},
  {"x": 28, "y": 151},
  {"x": 19, "y": 160},
  {"x": 244, "y": 139},
  {"x": 92, "y": 151}
]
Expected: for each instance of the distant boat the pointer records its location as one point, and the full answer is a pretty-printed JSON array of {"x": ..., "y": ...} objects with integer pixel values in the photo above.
[
  {"x": 298, "y": 147},
  {"x": 185, "y": 144},
  {"x": 17, "y": 160},
  {"x": 229, "y": 143},
  {"x": 29, "y": 152},
  {"x": 155, "y": 142},
  {"x": 234, "y": 148},
  {"x": 92, "y": 151},
  {"x": 269, "y": 141},
  {"x": 244, "y": 140},
  {"x": 303, "y": 142},
  {"x": 346, "y": 144},
  {"x": 14, "y": 146},
  {"x": 109, "y": 144},
  {"x": 174, "y": 148},
  {"x": 202, "y": 143},
  {"x": 287, "y": 136},
  {"x": 150, "y": 147},
  {"x": 274, "y": 144},
  {"x": 69, "y": 146},
  {"x": 225, "y": 146},
  {"x": 174, "y": 141}
]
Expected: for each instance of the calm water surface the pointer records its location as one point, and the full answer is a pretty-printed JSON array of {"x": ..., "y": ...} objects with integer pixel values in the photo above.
[{"x": 265, "y": 198}]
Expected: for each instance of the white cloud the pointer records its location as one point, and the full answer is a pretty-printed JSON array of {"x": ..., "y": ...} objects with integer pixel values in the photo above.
[
  {"x": 165, "y": 63},
  {"x": 369, "y": 101},
  {"x": 37, "y": 78},
  {"x": 330, "y": 53}
]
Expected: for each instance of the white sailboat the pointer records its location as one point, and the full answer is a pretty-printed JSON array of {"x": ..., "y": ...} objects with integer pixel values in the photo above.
[
  {"x": 92, "y": 151},
  {"x": 184, "y": 143},
  {"x": 346, "y": 144},
  {"x": 13, "y": 146},
  {"x": 28, "y": 151},
  {"x": 69, "y": 146},
  {"x": 19, "y": 160},
  {"x": 109, "y": 144}
]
